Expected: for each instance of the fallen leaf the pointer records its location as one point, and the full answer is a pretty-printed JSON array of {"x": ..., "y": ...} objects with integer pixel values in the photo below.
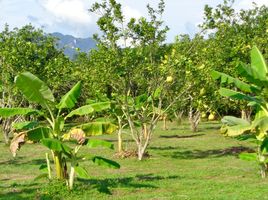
[{"x": 16, "y": 142}]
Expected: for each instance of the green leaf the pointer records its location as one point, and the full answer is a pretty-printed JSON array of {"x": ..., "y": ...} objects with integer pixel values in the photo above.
[
  {"x": 140, "y": 101},
  {"x": 10, "y": 112},
  {"x": 260, "y": 113},
  {"x": 105, "y": 162},
  {"x": 81, "y": 172},
  {"x": 33, "y": 88},
  {"x": 230, "y": 121},
  {"x": 237, "y": 130},
  {"x": 90, "y": 101},
  {"x": 38, "y": 133},
  {"x": 228, "y": 79},
  {"x": 246, "y": 137},
  {"x": 88, "y": 109},
  {"x": 104, "y": 120},
  {"x": 70, "y": 98},
  {"x": 43, "y": 166},
  {"x": 248, "y": 156},
  {"x": 100, "y": 106},
  {"x": 258, "y": 64},
  {"x": 237, "y": 95},
  {"x": 99, "y": 143},
  {"x": 56, "y": 145},
  {"x": 261, "y": 124},
  {"x": 59, "y": 123},
  {"x": 157, "y": 93},
  {"x": 98, "y": 128},
  {"x": 24, "y": 125},
  {"x": 83, "y": 110},
  {"x": 252, "y": 104},
  {"x": 264, "y": 145},
  {"x": 247, "y": 72}
]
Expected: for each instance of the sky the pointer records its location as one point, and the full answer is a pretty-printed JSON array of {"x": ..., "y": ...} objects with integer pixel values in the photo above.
[{"x": 73, "y": 18}]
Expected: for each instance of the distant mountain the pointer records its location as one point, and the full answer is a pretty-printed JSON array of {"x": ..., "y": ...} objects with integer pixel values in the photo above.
[{"x": 70, "y": 43}]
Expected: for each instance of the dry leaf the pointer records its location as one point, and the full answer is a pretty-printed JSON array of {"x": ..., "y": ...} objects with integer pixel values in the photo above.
[
  {"x": 78, "y": 134},
  {"x": 17, "y": 141}
]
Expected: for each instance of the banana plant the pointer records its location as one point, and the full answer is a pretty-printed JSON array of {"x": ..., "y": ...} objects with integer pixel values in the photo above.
[
  {"x": 56, "y": 128},
  {"x": 253, "y": 88}
]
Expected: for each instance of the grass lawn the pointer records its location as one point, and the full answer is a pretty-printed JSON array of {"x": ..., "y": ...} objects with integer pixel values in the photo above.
[{"x": 183, "y": 165}]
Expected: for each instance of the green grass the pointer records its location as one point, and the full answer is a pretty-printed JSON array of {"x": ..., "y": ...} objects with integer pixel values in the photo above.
[{"x": 182, "y": 165}]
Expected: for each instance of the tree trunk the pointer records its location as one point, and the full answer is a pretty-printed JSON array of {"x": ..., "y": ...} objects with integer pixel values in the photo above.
[
  {"x": 165, "y": 122},
  {"x": 142, "y": 144},
  {"x": 48, "y": 167},
  {"x": 71, "y": 179},
  {"x": 119, "y": 134},
  {"x": 6, "y": 129},
  {"x": 245, "y": 114},
  {"x": 194, "y": 118},
  {"x": 140, "y": 152},
  {"x": 178, "y": 117},
  {"x": 144, "y": 130},
  {"x": 58, "y": 165}
]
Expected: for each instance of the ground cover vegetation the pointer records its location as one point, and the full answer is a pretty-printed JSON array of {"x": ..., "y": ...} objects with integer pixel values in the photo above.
[
  {"x": 125, "y": 86},
  {"x": 182, "y": 165}
]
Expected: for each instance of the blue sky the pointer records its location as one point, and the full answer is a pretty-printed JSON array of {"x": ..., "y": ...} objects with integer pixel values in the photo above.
[{"x": 71, "y": 16}]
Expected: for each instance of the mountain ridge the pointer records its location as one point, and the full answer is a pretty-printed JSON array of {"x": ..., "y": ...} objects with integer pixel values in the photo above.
[{"x": 70, "y": 44}]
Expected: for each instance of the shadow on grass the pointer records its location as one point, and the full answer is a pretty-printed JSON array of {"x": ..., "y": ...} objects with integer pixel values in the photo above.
[
  {"x": 115, "y": 140},
  {"x": 152, "y": 177},
  {"x": 18, "y": 191},
  {"x": 215, "y": 153},
  {"x": 104, "y": 185},
  {"x": 205, "y": 128},
  {"x": 57, "y": 189},
  {"x": 84, "y": 187},
  {"x": 19, "y": 160},
  {"x": 165, "y": 148},
  {"x": 181, "y": 136}
]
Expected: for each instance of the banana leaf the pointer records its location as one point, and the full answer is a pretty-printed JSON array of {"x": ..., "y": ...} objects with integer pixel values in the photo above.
[
  {"x": 238, "y": 95},
  {"x": 98, "y": 128},
  {"x": 10, "y": 112},
  {"x": 229, "y": 80},
  {"x": 70, "y": 98},
  {"x": 258, "y": 64},
  {"x": 88, "y": 109},
  {"x": 33, "y": 88}
]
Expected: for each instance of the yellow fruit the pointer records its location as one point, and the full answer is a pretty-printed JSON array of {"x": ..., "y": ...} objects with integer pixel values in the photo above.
[
  {"x": 204, "y": 115},
  {"x": 164, "y": 61},
  {"x": 211, "y": 116},
  {"x": 169, "y": 79},
  {"x": 202, "y": 91},
  {"x": 173, "y": 52},
  {"x": 201, "y": 66}
]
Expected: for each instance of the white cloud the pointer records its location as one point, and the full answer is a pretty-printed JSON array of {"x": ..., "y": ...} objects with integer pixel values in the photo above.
[
  {"x": 245, "y": 4},
  {"x": 129, "y": 13},
  {"x": 73, "y": 11}
]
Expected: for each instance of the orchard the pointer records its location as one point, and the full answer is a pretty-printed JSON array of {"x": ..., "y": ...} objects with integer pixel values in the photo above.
[{"x": 137, "y": 117}]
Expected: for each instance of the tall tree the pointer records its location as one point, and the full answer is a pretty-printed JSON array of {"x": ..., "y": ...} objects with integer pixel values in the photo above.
[
  {"x": 130, "y": 55},
  {"x": 29, "y": 49}
]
